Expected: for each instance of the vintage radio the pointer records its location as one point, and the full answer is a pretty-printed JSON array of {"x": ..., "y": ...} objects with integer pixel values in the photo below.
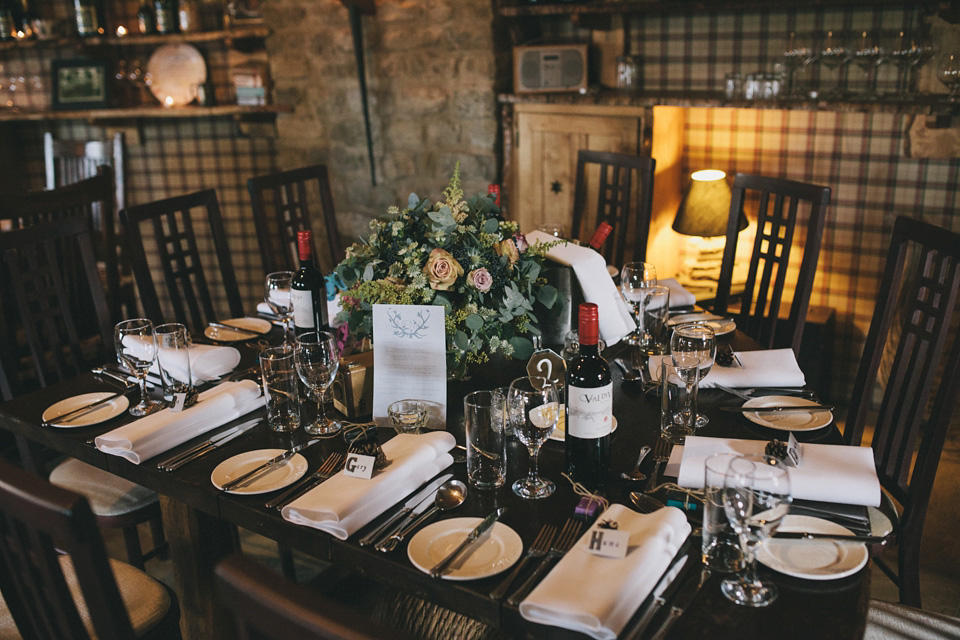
[
  {"x": 353, "y": 386},
  {"x": 554, "y": 67}
]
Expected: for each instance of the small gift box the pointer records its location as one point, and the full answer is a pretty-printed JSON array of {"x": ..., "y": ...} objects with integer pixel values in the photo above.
[{"x": 353, "y": 386}]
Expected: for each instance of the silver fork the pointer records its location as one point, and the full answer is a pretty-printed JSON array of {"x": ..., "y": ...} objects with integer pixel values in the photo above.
[
  {"x": 661, "y": 453},
  {"x": 328, "y": 468},
  {"x": 740, "y": 393},
  {"x": 568, "y": 536},
  {"x": 538, "y": 549}
]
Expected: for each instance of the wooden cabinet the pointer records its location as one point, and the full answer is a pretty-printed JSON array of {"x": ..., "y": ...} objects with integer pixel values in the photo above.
[{"x": 543, "y": 163}]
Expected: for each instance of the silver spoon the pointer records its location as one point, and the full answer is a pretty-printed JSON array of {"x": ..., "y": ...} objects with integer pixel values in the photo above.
[
  {"x": 629, "y": 374},
  {"x": 450, "y": 495},
  {"x": 645, "y": 503},
  {"x": 636, "y": 475}
]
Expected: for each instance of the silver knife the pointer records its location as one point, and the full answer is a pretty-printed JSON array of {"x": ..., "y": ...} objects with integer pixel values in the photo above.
[
  {"x": 780, "y": 409},
  {"x": 685, "y": 596},
  {"x": 671, "y": 573},
  {"x": 408, "y": 524},
  {"x": 408, "y": 507},
  {"x": 100, "y": 371},
  {"x": 839, "y": 537},
  {"x": 269, "y": 464},
  {"x": 75, "y": 413},
  {"x": 230, "y": 327},
  {"x": 175, "y": 462},
  {"x": 442, "y": 566}
]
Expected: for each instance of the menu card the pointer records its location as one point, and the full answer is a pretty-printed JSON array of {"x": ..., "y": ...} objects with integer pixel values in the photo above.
[{"x": 410, "y": 359}]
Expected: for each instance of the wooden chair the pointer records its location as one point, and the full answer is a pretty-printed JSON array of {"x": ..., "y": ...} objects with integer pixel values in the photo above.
[
  {"x": 176, "y": 224},
  {"x": 779, "y": 202},
  {"x": 910, "y": 335},
  {"x": 42, "y": 588},
  {"x": 69, "y": 161},
  {"x": 265, "y": 605},
  {"x": 48, "y": 322},
  {"x": 615, "y": 201},
  {"x": 281, "y": 207}
]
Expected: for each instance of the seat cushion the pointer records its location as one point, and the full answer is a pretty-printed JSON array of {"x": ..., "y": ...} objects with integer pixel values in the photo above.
[
  {"x": 146, "y": 600},
  {"x": 891, "y": 621},
  {"x": 108, "y": 494}
]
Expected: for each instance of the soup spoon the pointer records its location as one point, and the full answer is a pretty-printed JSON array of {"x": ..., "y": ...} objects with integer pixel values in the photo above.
[{"x": 450, "y": 495}]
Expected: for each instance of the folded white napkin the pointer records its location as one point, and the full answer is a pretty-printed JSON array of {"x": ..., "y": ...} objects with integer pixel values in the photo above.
[
  {"x": 596, "y": 283},
  {"x": 827, "y": 472},
  {"x": 679, "y": 297},
  {"x": 608, "y": 590},
  {"x": 207, "y": 362},
  {"x": 158, "y": 432},
  {"x": 764, "y": 368},
  {"x": 342, "y": 504},
  {"x": 333, "y": 308}
]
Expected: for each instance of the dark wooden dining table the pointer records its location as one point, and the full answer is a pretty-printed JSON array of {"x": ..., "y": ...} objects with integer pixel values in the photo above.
[{"x": 199, "y": 520}]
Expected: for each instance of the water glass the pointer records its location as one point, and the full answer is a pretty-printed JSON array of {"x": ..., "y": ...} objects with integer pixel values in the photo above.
[
  {"x": 720, "y": 549},
  {"x": 173, "y": 359},
  {"x": 655, "y": 310},
  {"x": 678, "y": 401},
  {"x": 486, "y": 440},
  {"x": 281, "y": 387},
  {"x": 136, "y": 346},
  {"x": 571, "y": 346},
  {"x": 408, "y": 416}
]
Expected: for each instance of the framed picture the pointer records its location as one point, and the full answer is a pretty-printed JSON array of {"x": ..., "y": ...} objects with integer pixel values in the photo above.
[{"x": 79, "y": 84}]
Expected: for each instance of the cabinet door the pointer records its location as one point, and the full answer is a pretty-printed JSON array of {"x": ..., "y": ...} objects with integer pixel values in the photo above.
[{"x": 545, "y": 166}]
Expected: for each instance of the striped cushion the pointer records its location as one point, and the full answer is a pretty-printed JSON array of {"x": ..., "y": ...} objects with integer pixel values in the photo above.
[{"x": 109, "y": 495}]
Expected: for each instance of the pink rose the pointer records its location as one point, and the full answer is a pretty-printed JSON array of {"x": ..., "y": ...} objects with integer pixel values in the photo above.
[
  {"x": 480, "y": 279},
  {"x": 442, "y": 270},
  {"x": 521, "y": 240}
]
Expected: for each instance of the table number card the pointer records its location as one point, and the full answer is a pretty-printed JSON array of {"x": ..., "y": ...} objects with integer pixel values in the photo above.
[{"x": 409, "y": 359}]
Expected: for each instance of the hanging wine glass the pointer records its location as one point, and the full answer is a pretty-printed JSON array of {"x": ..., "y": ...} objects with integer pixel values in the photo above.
[
  {"x": 949, "y": 75},
  {"x": 868, "y": 55},
  {"x": 834, "y": 55},
  {"x": 797, "y": 55}
]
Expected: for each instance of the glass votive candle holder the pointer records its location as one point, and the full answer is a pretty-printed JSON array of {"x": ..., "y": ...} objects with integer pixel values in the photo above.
[{"x": 408, "y": 416}]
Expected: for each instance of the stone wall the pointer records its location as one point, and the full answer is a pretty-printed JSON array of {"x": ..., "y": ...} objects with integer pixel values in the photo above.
[{"x": 430, "y": 75}]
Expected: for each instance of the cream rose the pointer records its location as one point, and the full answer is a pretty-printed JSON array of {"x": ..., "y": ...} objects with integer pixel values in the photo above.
[
  {"x": 442, "y": 270},
  {"x": 480, "y": 279},
  {"x": 509, "y": 249}
]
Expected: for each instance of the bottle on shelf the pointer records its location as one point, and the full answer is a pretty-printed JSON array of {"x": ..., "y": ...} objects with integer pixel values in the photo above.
[
  {"x": 588, "y": 394},
  {"x": 146, "y": 18},
  {"x": 7, "y": 27},
  {"x": 189, "y": 16},
  {"x": 308, "y": 291},
  {"x": 165, "y": 13},
  {"x": 89, "y": 16},
  {"x": 600, "y": 236},
  {"x": 22, "y": 19}
]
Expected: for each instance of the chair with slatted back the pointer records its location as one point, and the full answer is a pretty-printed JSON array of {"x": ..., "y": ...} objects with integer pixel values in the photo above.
[
  {"x": 32, "y": 261},
  {"x": 69, "y": 161},
  {"x": 291, "y": 201},
  {"x": 176, "y": 225},
  {"x": 619, "y": 176},
  {"x": 913, "y": 355},
  {"x": 263, "y": 604},
  {"x": 780, "y": 205},
  {"x": 55, "y": 577}
]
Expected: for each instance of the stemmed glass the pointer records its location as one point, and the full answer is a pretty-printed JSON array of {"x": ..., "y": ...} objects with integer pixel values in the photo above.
[
  {"x": 278, "y": 297},
  {"x": 136, "y": 345},
  {"x": 756, "y": 497},
  {"x": 318, "y": 358},
  {"x": 868, "y": 55},
  {"x": 796, "y": 56},
  {"x": 833, "y": 55},
  {"x": 533, "y": 408},
  {"x": 694, "y": 345},
  {"x": 636, "y": 280},
  {"x": 949, "y": 74}
]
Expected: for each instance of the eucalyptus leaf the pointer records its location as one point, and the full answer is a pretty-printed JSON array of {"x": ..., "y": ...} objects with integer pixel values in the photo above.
[
  {"x": 547, "y": 296},
  {"x": 461, "y": 340},
  {"x": 368, "y": 273},
  {"x": 474, "y": 322},
  {"x": 522, "y": 347},
  {"x": 491, "y": 225}
]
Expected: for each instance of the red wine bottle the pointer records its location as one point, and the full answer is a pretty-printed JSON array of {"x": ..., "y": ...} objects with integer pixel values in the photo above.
[
  {"x": 588, "y": 394},
  {"x": 308, "y": 291},
  {"x": 600, "y": 236}
]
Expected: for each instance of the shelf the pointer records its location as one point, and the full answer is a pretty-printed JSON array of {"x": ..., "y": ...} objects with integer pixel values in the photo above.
[
  {"x": 133, "y": 39},
  {"x": 667, "y": 6},
  {"x": 144, "y": 113}
]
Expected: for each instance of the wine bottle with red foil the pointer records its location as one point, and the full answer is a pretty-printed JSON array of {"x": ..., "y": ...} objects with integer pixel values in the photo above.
[
  {"x": 600, "y": 236},
  {"x": 588, "y": 395},
  {"x": 309, "y": 290}
]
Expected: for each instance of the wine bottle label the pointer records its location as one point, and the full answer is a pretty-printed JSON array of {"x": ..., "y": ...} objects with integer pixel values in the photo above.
[
  {"x": 590, "y": 411},
  {"x": 302, "y": 308}
]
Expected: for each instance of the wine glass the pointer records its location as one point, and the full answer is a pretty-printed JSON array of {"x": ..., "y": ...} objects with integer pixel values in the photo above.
[
  {"x": 317, "y": 358},
  {"x": 636, "y": 280},
  {"x": 694, "y": 344},
  {"x": 533, "y": 408},
  {"x": 278, "y": 297},
  {"x": 834, "y": 55},
  {"x": 949, "y": 75},
  {"x": 136, "y": 345},
  {"x": 756, "y": 497},
  {"x": 797, "y": 55},
  {"x": 868, "y": 55}
]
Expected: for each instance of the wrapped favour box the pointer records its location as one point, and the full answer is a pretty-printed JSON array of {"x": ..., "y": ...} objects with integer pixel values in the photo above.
[{"x": 353, "y": 386}]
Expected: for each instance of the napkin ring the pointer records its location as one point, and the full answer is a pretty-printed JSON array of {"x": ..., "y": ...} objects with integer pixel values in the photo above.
[
  {"x": 777, "y": 449},
  {"x": 191, "y": 393}
]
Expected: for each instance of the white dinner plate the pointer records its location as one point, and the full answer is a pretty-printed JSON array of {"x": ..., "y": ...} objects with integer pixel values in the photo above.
[
  {"x": 720, "y": 326},
  {"x": 176, "y": 70},
  {"x": 256, "y": 325},
  {"x": 813, "y": 559},
  {"x": 499, "y": 548},
  {"x": 280, "y": 476},
  {"x": 559, "y": 434},
  {"x": 787, "y": 420},
  {"x": 104, "y": 412}
]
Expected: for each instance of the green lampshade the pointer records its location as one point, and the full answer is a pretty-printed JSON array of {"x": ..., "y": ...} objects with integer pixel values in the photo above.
[{"x": 705, "y": 208}]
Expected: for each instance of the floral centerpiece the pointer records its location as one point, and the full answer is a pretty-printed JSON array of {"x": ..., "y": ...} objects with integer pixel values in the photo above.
[{"x": 457, "y": 253}]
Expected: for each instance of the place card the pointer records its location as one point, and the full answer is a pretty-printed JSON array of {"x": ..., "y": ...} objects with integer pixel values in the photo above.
[
  {"x": 608, "y": 543},
  {"x": 359, "y": 466}
]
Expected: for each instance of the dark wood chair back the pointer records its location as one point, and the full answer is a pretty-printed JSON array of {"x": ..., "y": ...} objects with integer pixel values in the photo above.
[
  {"x": 69, "y": 161},
  {"x": 38, "y": 521},
  {"x": 34, "y": 259},
  {"x": 621, "y": 177},
  {"x": 910, "y": 339},
  {"x": 282, "y": 206},
  {"x": 779, "y": 204},
  {"x": 264, "y": 604},
  {"x": 176, "y": 224}
]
